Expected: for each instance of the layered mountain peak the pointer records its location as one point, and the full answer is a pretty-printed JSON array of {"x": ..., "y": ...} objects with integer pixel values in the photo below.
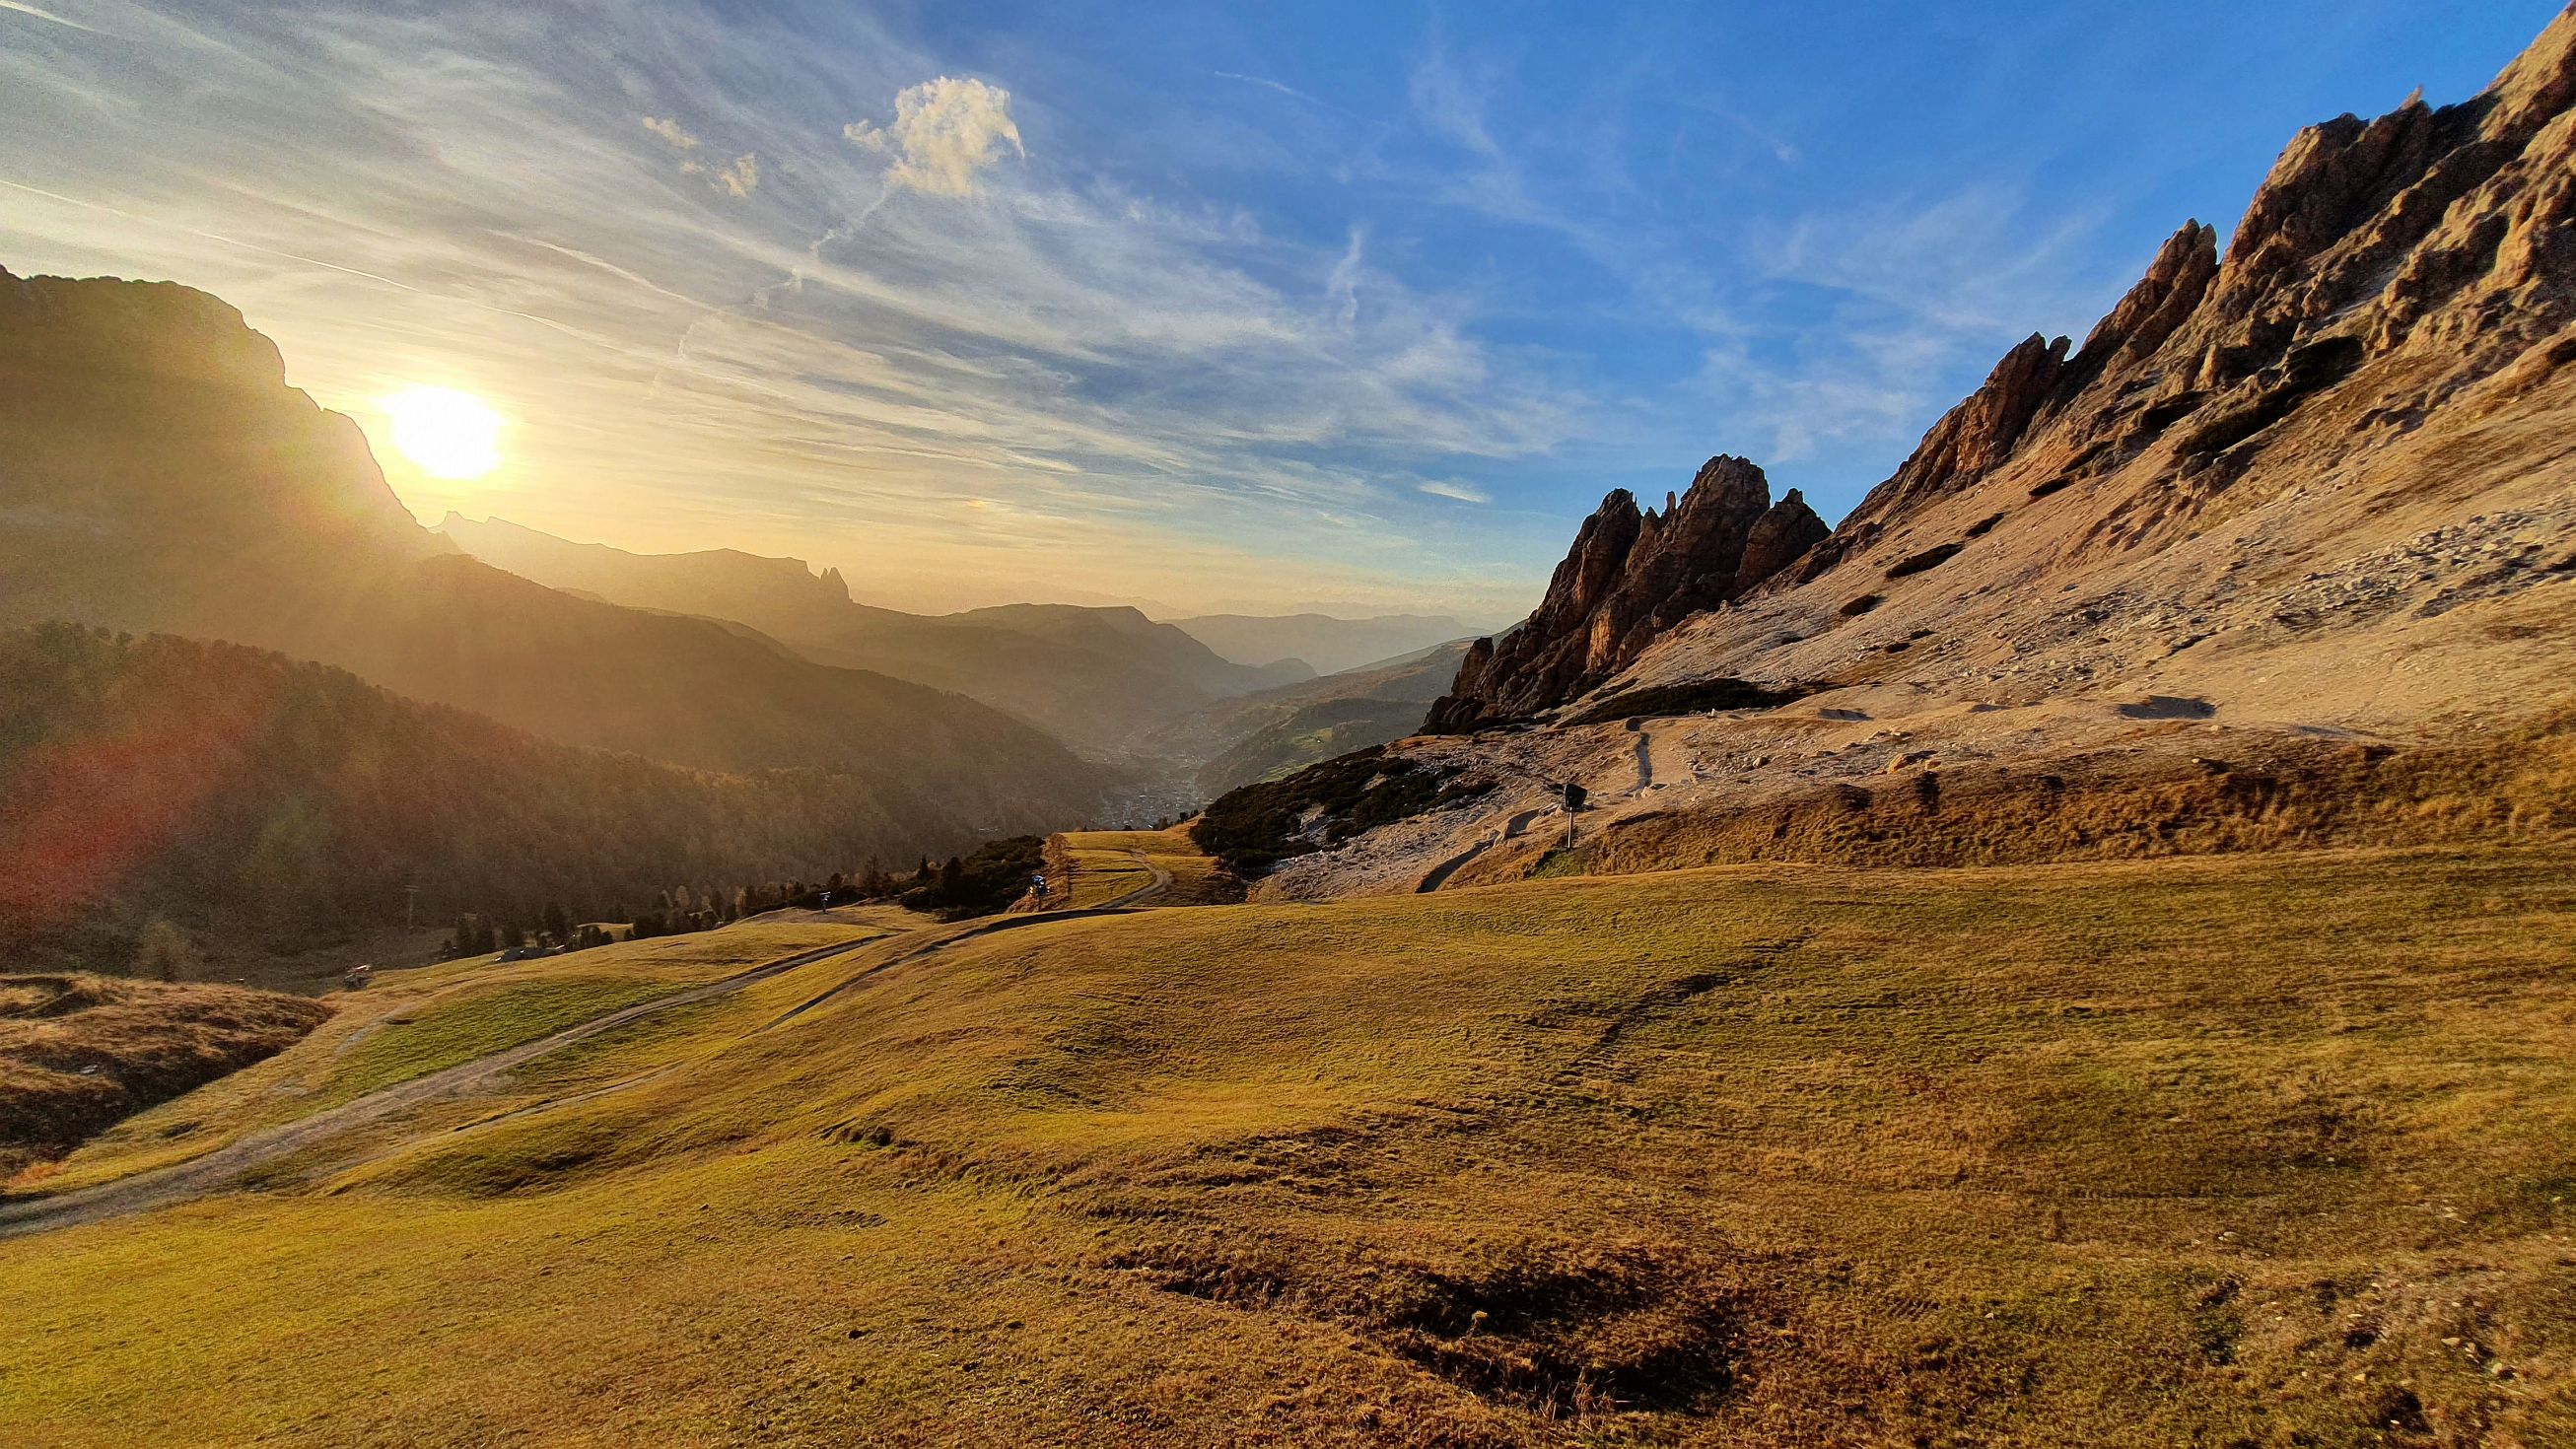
[
  {"x": 1630, "y": 576},
  {"x": 148, "y": 420}
]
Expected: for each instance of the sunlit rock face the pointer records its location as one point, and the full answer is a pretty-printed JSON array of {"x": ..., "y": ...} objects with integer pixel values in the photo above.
[
  {"x": 1631, "y": 576},
  {"x": 2430, "y": 253}
]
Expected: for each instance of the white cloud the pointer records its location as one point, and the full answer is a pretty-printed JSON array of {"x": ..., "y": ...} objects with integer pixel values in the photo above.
[
  {"x": 1453, "y": 104},
  {"x": 945, "y": 131},
  {"x": 672, "y": 131}
]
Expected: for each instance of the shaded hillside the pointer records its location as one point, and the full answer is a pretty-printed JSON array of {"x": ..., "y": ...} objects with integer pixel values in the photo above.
[
  {"x": 1280, "y": 730},
  {"x": 259, "y": 801},
  {"x": 1094, "y": 677},
  {"x": 1326, "y": 644},
  {"x": 164, "y": 478}
]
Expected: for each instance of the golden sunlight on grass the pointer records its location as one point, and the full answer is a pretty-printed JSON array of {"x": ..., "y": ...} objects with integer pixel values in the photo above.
[{"x": 2262, "y": 1150}]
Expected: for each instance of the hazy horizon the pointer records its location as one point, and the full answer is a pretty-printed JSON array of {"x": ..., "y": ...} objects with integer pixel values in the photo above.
[{"x": 1353, "y": 314}]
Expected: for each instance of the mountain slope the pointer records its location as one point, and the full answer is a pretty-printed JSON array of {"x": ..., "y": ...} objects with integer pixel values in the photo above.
[
  {"x": 1278, "y": 730},
  {"x": 164, "y": 478},
  {"x": 256, "y": 800},
  {"x": 1095, "y": 677},
  {"x": 2319, "y": 489}
]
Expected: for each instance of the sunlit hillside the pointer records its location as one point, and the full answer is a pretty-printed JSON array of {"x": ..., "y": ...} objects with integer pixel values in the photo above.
[{"x": 2259, "y": 1149}]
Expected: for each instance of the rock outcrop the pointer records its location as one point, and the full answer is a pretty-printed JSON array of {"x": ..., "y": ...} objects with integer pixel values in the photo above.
[
  {"x": 2438, "y": 241},
  {"x": 1630, "y": 577}
]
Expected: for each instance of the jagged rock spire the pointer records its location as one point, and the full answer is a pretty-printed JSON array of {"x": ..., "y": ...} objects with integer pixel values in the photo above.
[{"x": 1629, "y": 577}]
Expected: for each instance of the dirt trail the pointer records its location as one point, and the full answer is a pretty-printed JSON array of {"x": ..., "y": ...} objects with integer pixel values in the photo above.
[
  {"x": 1511, "y": 830},
  {"x": 1161, "y": 882},
  {"x": 226, "y": 1163},
  {"x": 990, "y": 926}
]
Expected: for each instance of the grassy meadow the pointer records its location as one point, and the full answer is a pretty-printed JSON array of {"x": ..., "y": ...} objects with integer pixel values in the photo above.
[
  {"x": 412, "y": 1023},
  {"x": 1108, "y": 864},
  {"x": 2225, "y": 1151}
]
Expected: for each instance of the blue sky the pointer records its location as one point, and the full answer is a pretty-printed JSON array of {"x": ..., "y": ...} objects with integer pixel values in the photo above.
[{"x": 1358, "y": 306}]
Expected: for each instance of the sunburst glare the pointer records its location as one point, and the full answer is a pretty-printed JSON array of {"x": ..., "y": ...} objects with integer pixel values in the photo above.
[{"x": 445, "y": 433}]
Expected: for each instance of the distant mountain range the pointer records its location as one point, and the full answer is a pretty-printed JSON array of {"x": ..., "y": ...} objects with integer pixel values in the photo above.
[
  {"x": 1278, "y": 731},
  {"x": 1094, "y": 677},
  {"x": 162, "y": 479},
  {"x": 1327, "y": 644}
]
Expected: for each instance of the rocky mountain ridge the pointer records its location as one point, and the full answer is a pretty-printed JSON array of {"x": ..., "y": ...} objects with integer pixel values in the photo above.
[
  {"x": 1631, "y": 576},
  {"x": 2316, "y": 490}
]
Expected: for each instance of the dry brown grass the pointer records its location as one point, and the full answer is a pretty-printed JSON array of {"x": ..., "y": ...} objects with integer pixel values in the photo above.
[
  {"x": 1101, "y": 865},
  {"x": 2237, "y": 1150},
  {"x": 79, "y": 1052},
  {"x": 2517, "y": 785}
]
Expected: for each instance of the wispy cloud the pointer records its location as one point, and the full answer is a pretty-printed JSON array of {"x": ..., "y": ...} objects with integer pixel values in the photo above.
[
  {"x": 1144, "y": 380},
  {"x": 1451, "y": 488},
  {"x": 741, "y": 178},
  {"x": 1266, "y": 84}
]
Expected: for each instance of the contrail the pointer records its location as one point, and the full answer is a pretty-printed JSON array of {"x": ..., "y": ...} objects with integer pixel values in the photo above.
[
  {"x": 793, "y": 281},
  {"x": 24, "y": 9}
]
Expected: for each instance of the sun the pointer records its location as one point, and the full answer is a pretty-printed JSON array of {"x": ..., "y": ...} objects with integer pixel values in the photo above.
[{"x": 446, "y": 433}]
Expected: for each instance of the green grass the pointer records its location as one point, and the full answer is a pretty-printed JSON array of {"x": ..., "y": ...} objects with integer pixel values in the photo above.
[
  {"x": 415, "y": 1044},
  {"x": 2239, "y": 1150}
]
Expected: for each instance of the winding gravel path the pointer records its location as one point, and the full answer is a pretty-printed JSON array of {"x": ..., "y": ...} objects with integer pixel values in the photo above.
[
  {"x": 1512, "y": 828},
  {"x": 227, "y": 1163}
]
